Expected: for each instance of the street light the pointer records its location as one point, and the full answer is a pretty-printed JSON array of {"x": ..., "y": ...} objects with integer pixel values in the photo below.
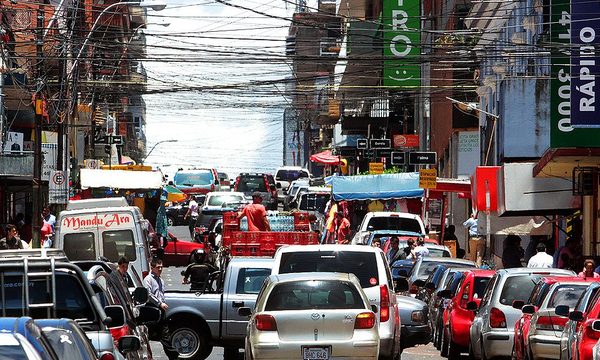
[{"x": 155, "y": 145}]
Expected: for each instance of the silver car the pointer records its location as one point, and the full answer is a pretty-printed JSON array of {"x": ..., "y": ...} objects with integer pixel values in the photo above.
[
  {"x": 312, "y": 316},
  {"x": 492, "y": 330}
]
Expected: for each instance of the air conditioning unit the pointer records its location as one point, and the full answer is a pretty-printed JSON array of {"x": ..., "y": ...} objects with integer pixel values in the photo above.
[{"x": 290, "y": 45}]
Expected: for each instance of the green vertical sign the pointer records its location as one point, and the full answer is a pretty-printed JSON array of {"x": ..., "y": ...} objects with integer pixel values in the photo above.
[
  {"x": 401, "y": 38},
  {"x": 562, "y": 134}
]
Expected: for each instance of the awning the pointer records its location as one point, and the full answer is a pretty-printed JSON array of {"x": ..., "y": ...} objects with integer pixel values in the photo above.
[
  {"x": 120, "y": 179},
  {"x": 560, "y": 162},
  {"x": 461, "y": 187},
  {"x": 326, "y": 158},
  {"x": 376, "y": 187}
]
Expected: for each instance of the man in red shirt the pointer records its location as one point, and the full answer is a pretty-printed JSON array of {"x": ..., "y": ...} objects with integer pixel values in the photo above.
[
  {"x": 256, "y": 214},
  {"x": 342, "y": 228}
]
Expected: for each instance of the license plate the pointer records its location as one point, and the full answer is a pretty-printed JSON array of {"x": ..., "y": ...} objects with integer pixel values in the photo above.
[{"x": 315, "y": 353}]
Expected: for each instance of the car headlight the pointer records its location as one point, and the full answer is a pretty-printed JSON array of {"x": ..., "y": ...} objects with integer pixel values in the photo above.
[{"x": 418, "y": 316}]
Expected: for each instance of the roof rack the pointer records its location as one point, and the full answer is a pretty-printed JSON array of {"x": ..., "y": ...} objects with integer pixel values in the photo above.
[{"x": 43, "y": 253}]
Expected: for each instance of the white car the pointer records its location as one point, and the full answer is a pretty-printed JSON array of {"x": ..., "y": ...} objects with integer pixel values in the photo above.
[
  {"x": 387, "y": 220},
  {"x": 311, "y": 316},
  {"x": 217, "y": 202},
  {"x": 285, "y": 175}
]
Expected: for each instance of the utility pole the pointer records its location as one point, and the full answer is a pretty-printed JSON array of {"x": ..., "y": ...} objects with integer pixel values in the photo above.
[{"x": 37, "y": 153}]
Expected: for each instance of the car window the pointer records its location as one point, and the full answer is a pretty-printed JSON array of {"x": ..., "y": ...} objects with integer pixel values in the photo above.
[
  {"x": 218, "y": 200},
  {"x": 488, "y": 291},
  {"x": 290, "y": 175},
  {"x": 314, "y": 202},
  {"x": 16, "y": 347},
  {"x": 64, "y": 344},
  {"x": 518, "y": 287},
  {"x": 566, "y": 295},
  {"x": 479, "y": 285},
  {"x": 538, "y": 293},
  {"x": 250, "y": 280},
  {"x": 117, "y": 243},
  {"x": 393, "y": 223},
  {"x": 197, "y": 177},
  {"x": 437, "y": 252},
  {"x": 427, "y": 267},
  {"x": 251, "y": 183},
  {"x": 314, "y": 295},
  {"x": 585, "y": 302},
  {"x": 361, "y": 264},
  {"x": 80, "y": 246}
]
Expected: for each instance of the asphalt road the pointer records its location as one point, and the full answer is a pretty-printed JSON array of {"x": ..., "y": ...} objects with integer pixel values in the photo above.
[{"x": 172, "y": 278}]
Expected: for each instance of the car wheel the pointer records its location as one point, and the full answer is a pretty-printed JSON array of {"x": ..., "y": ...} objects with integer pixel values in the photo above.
[
  {"x": 444, "y": 346},
  {"x": 170, "y": 221},
  {"x": 231, "y": 353},
  {"x": 189, "y": 343},
  {"x": 453, "y": 348}
]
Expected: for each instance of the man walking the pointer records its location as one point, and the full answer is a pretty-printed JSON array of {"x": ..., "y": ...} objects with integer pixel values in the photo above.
[
  {"x": 541, "y": 259},
  {"x": 256, "y": 214},
  {"x": 156, "y": 288},
  {"x": 11, "y": 241},
  {"x": 192, "y": 214}
]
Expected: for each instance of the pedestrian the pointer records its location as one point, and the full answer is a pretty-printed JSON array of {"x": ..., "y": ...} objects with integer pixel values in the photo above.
[
  {"x": 256, "y": 213},
  {"x": 394, "y": 253},
  {"x": 342, "y": 228},
  {"x": 408, "y": 250},
  {"x": 588, "y": 270},
  {"x": 48, "y": 217},
  {"x": 192, "y": 215},
  {"x": 121, "y": 272},
  {"x": 474, "y": 239},
  {"x": 11, "y": 241},
  {"x": 420, "y": 250},
  {"x": 198, "y": 271},
  {"x": 541, "y": 259},
  {"x": 513, "y": 252},
  {"x": 331, "y": 210},
  {"x": 450, "y": 234},
  {"x": 376, "y": 243},
  {"x": 162, "y": 230},
  {"x": 46, "y": 234},
  {"x": 156, "y": 289},
  {"x": 567, "y": 255}
]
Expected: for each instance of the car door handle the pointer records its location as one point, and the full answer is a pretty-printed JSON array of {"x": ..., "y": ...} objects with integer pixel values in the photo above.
[{"x": 237, "y": 304}]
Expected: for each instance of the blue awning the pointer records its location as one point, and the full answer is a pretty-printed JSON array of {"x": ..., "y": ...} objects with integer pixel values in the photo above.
[{"x": 376, "y": 187}]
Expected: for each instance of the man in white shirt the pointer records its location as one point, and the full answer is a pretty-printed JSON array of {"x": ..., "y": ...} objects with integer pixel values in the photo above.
[
  {"x": 420, "y": 251},
  {"x": 541, "y": 259},
  {"x": 192, "y": 214}
]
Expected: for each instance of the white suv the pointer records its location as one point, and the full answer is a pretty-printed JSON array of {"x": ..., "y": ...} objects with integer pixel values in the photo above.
[
  {"x": 285, "y": 175},
  {"x": 371, "y": 269},
  {"x": 386, "y": 220}
]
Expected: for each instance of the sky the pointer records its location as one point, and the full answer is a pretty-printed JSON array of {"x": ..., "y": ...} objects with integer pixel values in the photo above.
[{"x": 203, "y": 70}]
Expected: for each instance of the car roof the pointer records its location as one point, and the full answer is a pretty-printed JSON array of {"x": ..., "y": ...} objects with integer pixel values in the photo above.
[
  {"x": 566, "y": 279},
  {"x": 392, "y": 213},
  {"x": 537, "y": 271},
  {"x": 251, "y": 261},
  {"x": 310, "y": 276},
  {"x": 481, "y": 272},
  {"x": 397, "y": 232},
  {"x": 215, "y": 193},
  {"x": 327, "y": 247},
  {"x": 448, "y": 260}
]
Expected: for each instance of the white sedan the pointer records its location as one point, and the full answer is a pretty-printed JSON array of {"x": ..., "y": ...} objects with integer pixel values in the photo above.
[{"x": 310, "y": 316}]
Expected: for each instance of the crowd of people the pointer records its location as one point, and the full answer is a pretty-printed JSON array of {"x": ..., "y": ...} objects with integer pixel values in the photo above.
[{"x": 19, "y": 233}]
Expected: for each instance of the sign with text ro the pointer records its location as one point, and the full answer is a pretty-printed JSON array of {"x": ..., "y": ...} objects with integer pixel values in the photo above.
[
  {"x": 58, "y": 187},
  {"x": 427, "y": 178},
  {"x": 380, "y": 143},
  {"x": 422, "y": 158},
  {"x": 375, "y": 168}
]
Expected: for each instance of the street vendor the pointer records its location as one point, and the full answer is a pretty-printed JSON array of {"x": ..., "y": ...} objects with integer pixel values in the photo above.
[{"x": 256, "y": 214}]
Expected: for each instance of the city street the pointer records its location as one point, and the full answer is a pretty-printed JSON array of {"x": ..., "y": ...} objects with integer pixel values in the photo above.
[{"x": 172, "y": 278}]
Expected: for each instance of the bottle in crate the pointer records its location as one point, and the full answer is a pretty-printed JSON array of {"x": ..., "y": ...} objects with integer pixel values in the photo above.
[{"x": 230, "y": 218}]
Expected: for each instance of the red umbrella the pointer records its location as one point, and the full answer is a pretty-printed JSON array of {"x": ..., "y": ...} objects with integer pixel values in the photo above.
[{"x": 326, "y": 158}]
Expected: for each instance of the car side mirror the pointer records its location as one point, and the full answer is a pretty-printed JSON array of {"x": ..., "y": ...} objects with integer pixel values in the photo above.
[
  {"x": 528, "y": 309},
  {"x": 148, "y": 314},
  {"x": 419, "y": 283},
  {"x": 445, "y": 294},
  {"x": 561, "y": 310},
  {"x": 244, "y": 311},
  {"x": 472, "y": 306},
  {"x": 576, "y": 316},
  {"x": 140, "y": 295},
  {"x": 596, "y": 325},
  {"x": 129, "y": 343},
  {"x": 374, "y": 308},
  {"x": 401, "y": 284},
  {"x": 116, "y": 313},
  {"x": 518, "y": 304},
  {"x": 430, "y": 286}
]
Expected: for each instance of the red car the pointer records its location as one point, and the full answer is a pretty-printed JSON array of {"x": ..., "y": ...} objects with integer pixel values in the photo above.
[
  {"x": 586, "y": 337},
  {"x": 177, "y": 252},
  {"x": 539, "y": 328},
  {"x": 457, "y": 318}
]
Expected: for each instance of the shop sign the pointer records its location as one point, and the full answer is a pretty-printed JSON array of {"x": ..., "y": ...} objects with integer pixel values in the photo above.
[
  {"x": 406, "y": 141},
  {"x": 428, "y": 178},
  {"x": 375, "y": 168},
  {"x": 93, "y": 221},
  {"x": 58, "y": 187},
  {"x": 402, "y": 39},
  {"x": 380, "y": 143}
]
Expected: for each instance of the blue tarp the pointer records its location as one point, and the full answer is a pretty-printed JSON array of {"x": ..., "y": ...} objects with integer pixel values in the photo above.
[{"x": 376, "y": 187}]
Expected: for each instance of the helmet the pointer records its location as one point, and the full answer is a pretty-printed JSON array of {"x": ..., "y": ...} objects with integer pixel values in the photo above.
[{"x": 199, "y": 255}]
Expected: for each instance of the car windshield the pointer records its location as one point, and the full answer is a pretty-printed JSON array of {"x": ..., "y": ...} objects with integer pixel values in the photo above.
[
  {"x": 314, "y": 295},
  {"x": 252, "y": 183},
  {"x": 218, "y": 200},
  {"x": 290, "y": 175},
  {"x": 427, "y": 267},
  {"x": 64, "y": 344},
  {"x": 393, "y": 223},
  {"x": 16, "y": 347},
  {"x": 361, "y": 264},
  {"x": 314, "y": 202},
  {"x": 198, "y": 177},
  {"x": 566, "y": 295}
]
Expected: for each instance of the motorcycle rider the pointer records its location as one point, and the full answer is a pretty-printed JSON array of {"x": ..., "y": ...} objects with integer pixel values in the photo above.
[{"x": 198, "y": 271}]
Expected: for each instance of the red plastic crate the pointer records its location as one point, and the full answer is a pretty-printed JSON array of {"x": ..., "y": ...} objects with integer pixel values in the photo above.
[
  {"x": 295, "y": 238},
  {"x": 253, "y": 250},
  {"x": 238, "y": 249},
  {"x": 313, "y": 238},
  {"x": 302, "y": 227},
  {"x": 301, "y": 218},
  {"x": 270, "y": 253},
  {"x": 252, "y": 236},
  {"x": 230, "y": 217},
  {"x": 239, "y": 237},
  {"x": 226, "y": 240},
  {"x": 267, "y": 236}
]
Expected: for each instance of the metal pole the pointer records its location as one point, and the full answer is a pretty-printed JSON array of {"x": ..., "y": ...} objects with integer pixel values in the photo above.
[{"x": 37, "y": 153}]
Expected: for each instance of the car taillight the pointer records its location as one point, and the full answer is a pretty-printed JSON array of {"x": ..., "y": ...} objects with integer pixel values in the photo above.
[
  {"x": 265, "y": 322},
  {"x": 497, "y": 318},
  {"x": 364, "y": 320},
  {"x": 556, "y": 323},
  {"x": 119, "y": 332},
  {"x": 384, "y": 303},
  {"x": 107, "y": 356},
  {"x": 590, "y": 333}
]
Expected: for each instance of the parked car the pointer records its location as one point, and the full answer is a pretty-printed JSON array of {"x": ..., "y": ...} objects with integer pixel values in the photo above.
[
  {"x": 313, "y": 316},
  {"x": 571, "y": 327},
  {"x": 371, "y": 268},
  {"x": 414, "y": 321},
  {"x": 285, "y": 175},
  {"x": 457, "y": 318},
  {"x": 21, "y": 338},
  {"x": 292, "y": 190},
  {"x": 385, "y": 220},
  {"x": 197, "y": 181},
  {"x": 249, "y": 183},
  {"x": 218, "y": 202},
  {"x": 224, "y": 181},
  {"x": 424, "y": 266},
  {"x": 67, "y": 339},
  {"x": 492, "y": 330},
  {"x": 537, "y": 333},
  {"x": 435, "y": 250}
]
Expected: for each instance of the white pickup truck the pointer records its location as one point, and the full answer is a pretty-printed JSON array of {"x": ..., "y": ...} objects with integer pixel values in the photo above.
[{"x": 386, "y": 220}]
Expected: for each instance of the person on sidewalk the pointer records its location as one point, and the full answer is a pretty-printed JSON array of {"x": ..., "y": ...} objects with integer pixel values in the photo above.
[
  {"x": 342, "y": 228},
  {"x": 475, "y": 240},
  {"x": 588, "y": 270},
  {"x": 513, "y": 252},
  {"x": 541, "y": 259},
  {"x": 256, "y": 213},
  {"x": 156, "y": 289}
]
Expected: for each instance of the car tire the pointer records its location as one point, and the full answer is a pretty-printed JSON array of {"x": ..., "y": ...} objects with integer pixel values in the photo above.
[
  {"x": 189, "y": 342},
  {"x": 439, "y": 335},
  {"x": 444, "y": 346},
  {"x": 231, "y": 353},
  {"x": 453, "y": 348},
  {"x": 170, "y": 221}
]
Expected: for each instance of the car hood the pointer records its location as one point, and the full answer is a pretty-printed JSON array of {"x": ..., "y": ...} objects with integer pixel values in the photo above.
[{"x": 407, "y": 302}]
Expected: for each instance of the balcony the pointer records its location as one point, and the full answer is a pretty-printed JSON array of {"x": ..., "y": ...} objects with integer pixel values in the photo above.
[{"x": 16, "y": 165}]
